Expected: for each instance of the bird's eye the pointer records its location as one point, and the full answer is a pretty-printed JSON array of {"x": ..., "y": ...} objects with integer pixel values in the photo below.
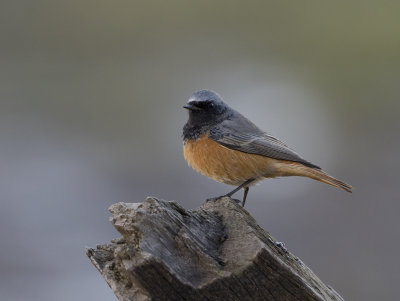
[{"x": 210, "y": 105}]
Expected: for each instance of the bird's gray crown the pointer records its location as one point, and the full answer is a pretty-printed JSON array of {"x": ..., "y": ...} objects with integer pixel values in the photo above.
[{"x": 205, "y": 95}]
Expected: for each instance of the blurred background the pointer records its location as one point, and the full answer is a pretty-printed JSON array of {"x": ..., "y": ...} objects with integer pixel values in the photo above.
[{"x": 91, "y": 96}]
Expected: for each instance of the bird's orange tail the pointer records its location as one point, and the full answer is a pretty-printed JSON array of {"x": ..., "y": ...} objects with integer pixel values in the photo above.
[
  {"x": 298, "y": 169},
  {"x": 319, "y": 175}
]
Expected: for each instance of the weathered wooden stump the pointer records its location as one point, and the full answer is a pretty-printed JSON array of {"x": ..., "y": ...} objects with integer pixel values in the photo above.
[{"x": 215, "y": 252}]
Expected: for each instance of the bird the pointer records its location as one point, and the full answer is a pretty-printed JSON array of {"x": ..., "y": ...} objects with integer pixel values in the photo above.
[{"x": 222, "y": 144}]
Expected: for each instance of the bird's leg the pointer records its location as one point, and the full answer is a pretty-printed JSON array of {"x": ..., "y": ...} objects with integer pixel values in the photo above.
[
  {"x": 240, "y": 187},
  {"x": 246, "y": 191}
]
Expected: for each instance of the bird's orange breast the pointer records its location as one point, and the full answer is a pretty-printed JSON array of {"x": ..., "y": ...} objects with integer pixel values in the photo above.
[{"x": 225, "y": 165}]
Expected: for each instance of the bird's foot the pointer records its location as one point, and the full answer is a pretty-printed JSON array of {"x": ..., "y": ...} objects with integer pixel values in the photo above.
[{"x": 237, "y": 201}]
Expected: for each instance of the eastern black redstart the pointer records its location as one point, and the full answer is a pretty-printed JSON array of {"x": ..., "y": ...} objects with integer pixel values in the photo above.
[{"x": 222, "y": 144}]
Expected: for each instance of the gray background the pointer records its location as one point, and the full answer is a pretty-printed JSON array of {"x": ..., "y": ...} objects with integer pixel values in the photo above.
[{"x": 91, "y": 113}]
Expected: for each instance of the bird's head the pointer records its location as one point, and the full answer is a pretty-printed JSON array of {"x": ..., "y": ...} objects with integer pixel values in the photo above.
[{"x": 206, "y": 108}]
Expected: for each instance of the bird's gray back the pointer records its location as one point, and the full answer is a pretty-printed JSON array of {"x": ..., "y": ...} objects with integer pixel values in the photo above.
[{"x": 239, "y": 133}]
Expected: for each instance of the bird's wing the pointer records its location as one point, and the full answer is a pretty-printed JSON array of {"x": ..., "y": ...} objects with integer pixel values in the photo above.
[{"x": 238, "y": 133}]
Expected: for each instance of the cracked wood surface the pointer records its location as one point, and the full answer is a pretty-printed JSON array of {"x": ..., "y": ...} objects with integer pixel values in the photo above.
[{"x": 215, "y": 252}]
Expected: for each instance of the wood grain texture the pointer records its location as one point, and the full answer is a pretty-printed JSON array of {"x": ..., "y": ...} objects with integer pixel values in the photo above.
[{"x": 215, "y": 252}]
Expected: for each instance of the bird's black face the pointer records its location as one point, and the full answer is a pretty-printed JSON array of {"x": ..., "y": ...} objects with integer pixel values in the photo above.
[{"x": 206, "y": 108}]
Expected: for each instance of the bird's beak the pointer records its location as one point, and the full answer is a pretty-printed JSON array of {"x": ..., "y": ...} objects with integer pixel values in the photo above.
[{"x": 191, "y": 107}]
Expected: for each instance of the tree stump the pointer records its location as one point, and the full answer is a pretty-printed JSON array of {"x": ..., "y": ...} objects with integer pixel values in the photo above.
[{"x": 215, "y": 252}]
